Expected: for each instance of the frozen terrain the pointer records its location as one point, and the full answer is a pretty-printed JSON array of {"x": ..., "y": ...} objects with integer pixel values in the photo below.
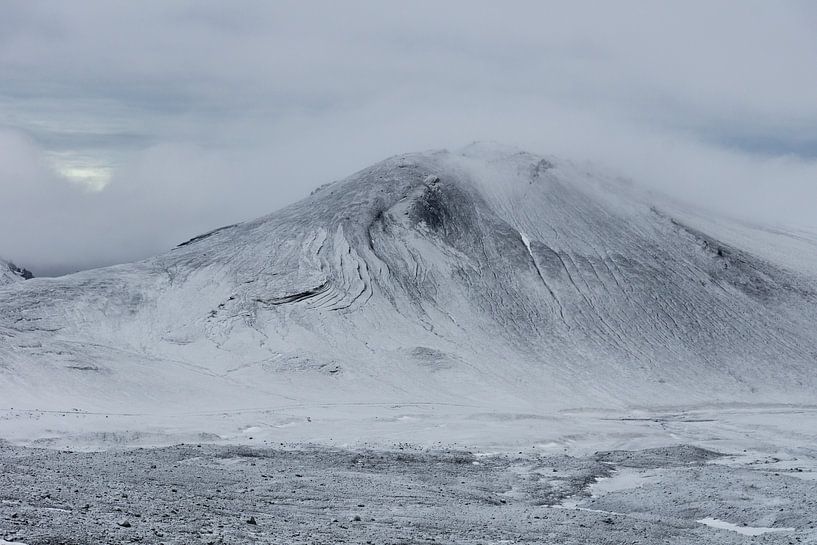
[
  {"x": 9, "y": 272},
  {"x": 198, "y": 493},
  {"x": 559, "y": 355}
]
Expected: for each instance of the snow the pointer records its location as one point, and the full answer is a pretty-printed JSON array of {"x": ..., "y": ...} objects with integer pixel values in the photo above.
[
  {"x": 743, "y": 530},
  {"x": 9, "y": 272},
  {"x": 526, "y": 242},
  {"x": 624, "y": 479}
]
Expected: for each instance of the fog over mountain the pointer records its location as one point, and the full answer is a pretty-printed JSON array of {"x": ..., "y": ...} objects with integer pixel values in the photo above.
[{"x": 126, "y": 128}]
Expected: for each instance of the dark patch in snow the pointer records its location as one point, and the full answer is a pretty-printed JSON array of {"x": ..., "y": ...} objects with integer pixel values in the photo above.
[{"x": 206, "y": 235}]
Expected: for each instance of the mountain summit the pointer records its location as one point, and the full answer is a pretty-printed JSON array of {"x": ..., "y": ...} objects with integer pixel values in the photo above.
[{"x": 487, "y": 276}]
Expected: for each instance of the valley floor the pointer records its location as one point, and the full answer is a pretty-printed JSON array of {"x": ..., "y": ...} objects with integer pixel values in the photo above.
[
  {"x": 200, "y": 493},
  {"x": 336, "y": 473}
]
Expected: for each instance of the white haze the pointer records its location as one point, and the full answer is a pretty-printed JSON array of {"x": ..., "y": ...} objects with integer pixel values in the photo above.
[{"x": 126, "y": 128}]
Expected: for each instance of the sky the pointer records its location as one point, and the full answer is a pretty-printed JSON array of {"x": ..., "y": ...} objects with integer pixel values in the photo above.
[{"x": 128, "y": 127}]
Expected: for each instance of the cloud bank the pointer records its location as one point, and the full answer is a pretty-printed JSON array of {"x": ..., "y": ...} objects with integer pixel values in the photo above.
[{"x": 126, "y": 128}]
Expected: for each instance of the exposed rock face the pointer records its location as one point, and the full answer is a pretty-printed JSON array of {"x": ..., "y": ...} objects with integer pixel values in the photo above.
[{"x": 487, "y": 276}]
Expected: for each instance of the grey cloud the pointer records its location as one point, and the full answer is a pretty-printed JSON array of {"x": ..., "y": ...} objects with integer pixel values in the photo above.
[{"x": 207, "y": 113}]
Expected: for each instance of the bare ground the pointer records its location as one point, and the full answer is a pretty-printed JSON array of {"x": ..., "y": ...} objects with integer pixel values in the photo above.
[{"x": 305, "y": 494}]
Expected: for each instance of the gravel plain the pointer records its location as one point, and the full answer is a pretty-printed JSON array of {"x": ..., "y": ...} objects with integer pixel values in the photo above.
[{"x": 213, "y": 494}]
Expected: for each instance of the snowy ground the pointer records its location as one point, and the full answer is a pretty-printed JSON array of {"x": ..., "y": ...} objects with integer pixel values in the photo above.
[{"x": 778, "y": 430}]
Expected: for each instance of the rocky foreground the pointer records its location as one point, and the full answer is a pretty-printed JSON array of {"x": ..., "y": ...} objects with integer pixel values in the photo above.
[{"x": 227, "y": 494}]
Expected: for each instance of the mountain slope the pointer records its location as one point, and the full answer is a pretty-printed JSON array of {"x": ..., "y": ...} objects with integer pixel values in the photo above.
[
  {"x": 489, "y": 276},
  {"x": 9, "y": 272}
]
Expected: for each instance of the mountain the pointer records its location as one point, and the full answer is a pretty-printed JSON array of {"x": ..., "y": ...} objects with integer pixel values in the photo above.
[
  {"x": 488, "y": 276},
  {"x": 9, "y": 272}
]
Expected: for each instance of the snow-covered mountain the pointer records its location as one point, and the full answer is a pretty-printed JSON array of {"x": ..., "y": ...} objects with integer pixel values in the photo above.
[
  {"x": 9, "y": 272},
  {"x": 487, "y": 276}
]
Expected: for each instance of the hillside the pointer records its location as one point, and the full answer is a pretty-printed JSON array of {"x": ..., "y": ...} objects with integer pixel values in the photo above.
[{"x": 9, "y": 272}]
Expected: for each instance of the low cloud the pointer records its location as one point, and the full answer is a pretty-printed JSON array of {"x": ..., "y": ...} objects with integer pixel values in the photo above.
[{"x": 193, "y": 115}]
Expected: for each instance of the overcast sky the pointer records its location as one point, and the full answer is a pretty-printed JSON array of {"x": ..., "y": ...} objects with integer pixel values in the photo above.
[{"x": 127, "y": 127}]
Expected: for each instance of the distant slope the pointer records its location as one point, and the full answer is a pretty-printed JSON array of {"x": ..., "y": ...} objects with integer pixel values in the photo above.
[
  {"x": 9, "y": 272},
  {"x": 488, "y": 276}
]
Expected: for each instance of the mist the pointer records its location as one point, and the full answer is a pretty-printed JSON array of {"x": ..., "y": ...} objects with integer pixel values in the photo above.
[{"x": 128, "y": 128}]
